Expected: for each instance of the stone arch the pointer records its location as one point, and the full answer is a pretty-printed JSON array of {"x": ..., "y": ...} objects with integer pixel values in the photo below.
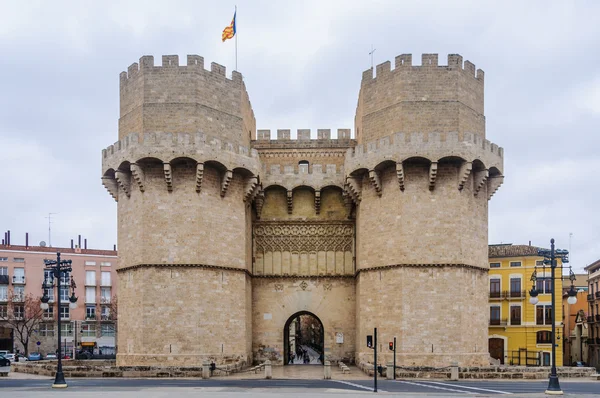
[{"x": 287, "y": 338}]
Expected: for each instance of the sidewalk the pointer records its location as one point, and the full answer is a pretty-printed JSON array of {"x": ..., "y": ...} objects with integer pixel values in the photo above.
[{"x": 305, "y": 372}]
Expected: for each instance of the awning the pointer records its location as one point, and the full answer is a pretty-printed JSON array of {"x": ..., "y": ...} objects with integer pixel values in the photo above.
[{"x": 88, "y": 344}]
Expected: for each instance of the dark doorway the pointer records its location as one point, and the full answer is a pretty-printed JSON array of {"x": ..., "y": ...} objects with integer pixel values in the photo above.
[
  {"x": 496, "y": 348},
  {"x": 303, "y": 340},
  {"x": 6, "y": 339}
]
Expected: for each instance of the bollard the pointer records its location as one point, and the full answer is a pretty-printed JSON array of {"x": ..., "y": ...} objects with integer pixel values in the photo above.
[
  {"x": 390, "y": 370},
  {"x": 205, "y": 370},
  {"x": 268, "y": 373},
  {"x": 327, "y": 370},
  {"x": 454, "y": 371}
]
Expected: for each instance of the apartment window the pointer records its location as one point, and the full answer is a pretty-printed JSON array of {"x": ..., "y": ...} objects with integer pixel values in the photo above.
[
  {"x": 90, "y": 311},
  {"x": 303, "y": 166},
  {"x": 49, "y": 293},
  {"x": 18, "y": 293},
  {"x": 66, "y": 329},
  {"x": 46, "y": 329},
  {"x": 90, "y": 278},
  {"x": 90, "y": 263},
  {"x": 90, "y": 294},
  {"x": 515, "y": 314},
  {"x": 105, "y": 295},
  {"x": 19, "y": 311},
  {"x": 3, "y": 311},
  {"x": 4, "y": 270},
  {"x": 108, "y": 330},
  {"x": 105, "y": 278},
  {"x": 494, "y": 288},
  {"x": 494, "y": 315},
  {"x": 515, "y": 263},
  {"x": 105, "y": 263},
  {"x": 543, "y": 285},
  {"x": 494, "y": 265},
  {"x": 539, "y": 262},
  {"x": 48, "y": 277},
  {"x": 19, "y": 275},
  {"x": 88, "y": 330},
  {"x": 49, "y": 313},
  {"x": 18, "y": 260},
  {"x": 543, "y": 315},
  {"x": 105, "y": 313},
  {"x": 515, "y": 287},
  {"x": 65, "y": 278},
  {"x": 64, "y": 295},
  {"x": 3, "y": 259},
  {"x": 64, "y": 312},
  {"x": 543, "y": 337},
  {"x": 3, "y": 293}
]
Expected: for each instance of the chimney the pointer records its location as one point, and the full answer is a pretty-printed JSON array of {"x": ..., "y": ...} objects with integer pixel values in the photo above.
[
  {"x": 71, "y": 243},
  {"x": 79, "y": 245},
  {"x": 115, "y": 248},
  {"x": 529, "y": 243},
  {"x": 26, "y": 239},
  {"x": 8, "y": 235},
  {"x": 85, "y": 244}
]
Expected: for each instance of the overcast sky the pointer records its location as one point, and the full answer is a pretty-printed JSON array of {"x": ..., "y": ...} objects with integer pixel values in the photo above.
[{"x": 302, "y": 63}]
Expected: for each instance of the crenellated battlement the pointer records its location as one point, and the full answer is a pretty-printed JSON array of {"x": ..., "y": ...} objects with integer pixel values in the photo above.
[
  {"x": 403, "y": 62},
  {"x": 195, "y": 64},
  {"x": 432, "y": 146},
  {"x": 168, "y": 146}
]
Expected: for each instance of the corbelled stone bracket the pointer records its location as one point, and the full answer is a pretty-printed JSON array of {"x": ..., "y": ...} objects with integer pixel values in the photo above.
[
  {"x": 493, "y": 185},
  {"x": 374, "y": 177},
  {"x": 289, "y": 201},
  {"x": 354, "y": 189},
  {"x": 168, "y": 176},
  {"x": 138, "y": 175},
  {"x": 112, "y": 187},
  {"x": 252, "y": 188},
  {"x": 463, "y": 174},
  {"x": 259, "y": 201},
  {"x": 124, "y": 181},
  {"x": 347, "y": 203},
  {"x": 317, "y": 201},
  {"x": 199, "y": 176},
  {"x": 432, "y": 175},
  {"x": 400, "y": 175},
  {"x": 225, "y": 182},
  {"x": 480, "y": 180}
]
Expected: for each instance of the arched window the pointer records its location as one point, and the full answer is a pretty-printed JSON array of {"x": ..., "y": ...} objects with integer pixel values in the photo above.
[
  {"x": 303, "y": 166},
  {"x": 544, "y": 337}
]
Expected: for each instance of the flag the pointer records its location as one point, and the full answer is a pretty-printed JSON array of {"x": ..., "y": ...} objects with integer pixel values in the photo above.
[{"x": 229, "y": 31}]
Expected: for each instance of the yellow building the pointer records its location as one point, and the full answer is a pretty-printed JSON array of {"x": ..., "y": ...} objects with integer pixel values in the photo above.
[{"x": 520, "y": 332}]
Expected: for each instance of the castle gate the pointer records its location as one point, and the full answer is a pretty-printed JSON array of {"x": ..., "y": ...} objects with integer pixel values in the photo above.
[{"x": 303, "y": 339}]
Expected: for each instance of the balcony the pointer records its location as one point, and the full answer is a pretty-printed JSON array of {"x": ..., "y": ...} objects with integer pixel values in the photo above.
[
  {"x": 598, "y": 318},
  {"x": 496, "y": 296},
  {"x": 498, "y": 322},
  {"x": 3, "y": 279},
  {"x": 91, "y": 318},
  {"x": 3, "y": 299},
  {"x": 598, "y": 295},
  {"x": 104, "y": 300},
  {"x": 18, "y": 279},
  {"x": 18, "y": 298},
  {"x": 590, "y": 319},
  {"x": 590, "y": 297},
  {"x": 519, "y": 295},
  {"x": 105, "y": 317},
  {"x": 597, "y": 340}
]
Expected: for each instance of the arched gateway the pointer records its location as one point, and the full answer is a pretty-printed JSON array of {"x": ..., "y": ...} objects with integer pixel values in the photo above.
[{"x": 303, "y": 339}]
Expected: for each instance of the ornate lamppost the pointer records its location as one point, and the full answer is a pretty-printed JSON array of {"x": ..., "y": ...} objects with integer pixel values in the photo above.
[
  {"x": 550, "y": 257},
  {"x": 58, "y": 269}
]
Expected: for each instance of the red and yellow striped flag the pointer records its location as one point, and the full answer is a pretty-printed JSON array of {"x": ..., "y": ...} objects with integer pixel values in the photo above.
[{"x": 229, "y": 31}]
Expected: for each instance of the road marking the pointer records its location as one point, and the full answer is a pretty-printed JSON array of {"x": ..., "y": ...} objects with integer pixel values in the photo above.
[
  {"x": 435, "y": 387},
  {"x": 357, "y": 385},
  {"x": 470, "y": 388}
]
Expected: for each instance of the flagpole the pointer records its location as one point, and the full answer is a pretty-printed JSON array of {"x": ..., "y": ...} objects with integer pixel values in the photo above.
[{"x": 236, "y": 36}]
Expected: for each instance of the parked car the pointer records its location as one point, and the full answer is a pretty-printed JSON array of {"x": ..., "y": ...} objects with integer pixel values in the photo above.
[
  {"x": 4, "y": 361},
  {"x": 34, "y": 356},
  {"x": 50, "y": 356},
  {"x": 10, "y": 357},
  {"x": 579, "y": 364}
]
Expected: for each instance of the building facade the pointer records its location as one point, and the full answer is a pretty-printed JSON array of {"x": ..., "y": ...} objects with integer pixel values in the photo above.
[
  {"x": 90, "y": 326},
  {"x": 593, "y": 318},
  {"x": 575, "y": 327},
  {"x": 256, "y": 231},
  {"x": 519, "y": 332}
]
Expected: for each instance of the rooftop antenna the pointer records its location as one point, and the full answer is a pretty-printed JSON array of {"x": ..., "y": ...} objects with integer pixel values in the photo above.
[
  {"x": 371, "y": 54},
  {"x": 50, "y": 228}
]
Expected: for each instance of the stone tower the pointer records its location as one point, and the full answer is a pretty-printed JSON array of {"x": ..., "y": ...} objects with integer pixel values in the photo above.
[{"x": 226, "y": 235}]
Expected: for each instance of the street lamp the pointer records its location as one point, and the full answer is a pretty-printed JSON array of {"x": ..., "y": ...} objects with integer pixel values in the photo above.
[
  {"x": 550, "y": 257},
  {"x": 57, "y": 269}
]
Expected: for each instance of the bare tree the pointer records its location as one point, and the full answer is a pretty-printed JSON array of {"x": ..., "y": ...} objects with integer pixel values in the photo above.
[{"x": 24, "y": 316}]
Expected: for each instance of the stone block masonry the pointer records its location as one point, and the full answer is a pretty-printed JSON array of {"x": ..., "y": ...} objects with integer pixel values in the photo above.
[{"x": 226, "y": 234}]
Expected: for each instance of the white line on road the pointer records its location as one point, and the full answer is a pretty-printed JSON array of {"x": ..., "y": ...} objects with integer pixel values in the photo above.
[
  {"x": 356, "y": 385},
  {"x": 470, "y": 388},
  {"x": 434, "y": 387}
]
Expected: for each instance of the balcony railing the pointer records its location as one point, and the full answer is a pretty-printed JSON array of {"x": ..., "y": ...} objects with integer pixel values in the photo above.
[
  {"x": 496, "y": 295},
  {"x": 105, "y": 317},
  {"x": 518, "y": 294},
  {"x": 597, "y": 340},
  {"x": 3, "y": 279},
  {"x": 598, "y": 295},
  {"x": 18, "y": 298},
  {"x": 91, "y": 318},
  {"x": 597, "y": 317},
  {"x": 590, "y": 297},
  {"x": 104, "y": 300},
  {"x": 3, "y": 299},
  {"x": 498, "y": 322},
  {"x": 515, "y": 322},
  {"x": 590, "y": 319},
  {"x": 18, "y": 280}
]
